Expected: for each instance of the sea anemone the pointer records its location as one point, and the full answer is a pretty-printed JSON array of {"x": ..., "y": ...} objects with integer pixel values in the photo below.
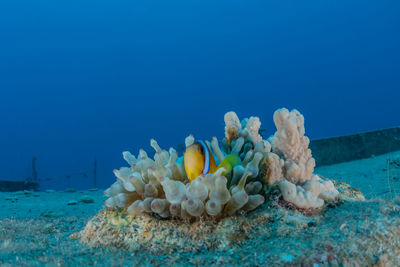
[{"x": 160, "y": 185}]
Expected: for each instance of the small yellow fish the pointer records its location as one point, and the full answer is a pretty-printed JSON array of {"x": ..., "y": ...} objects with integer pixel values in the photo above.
[
  {"x": 198, "y": 160},
  {"x": 229, "y": 163}
]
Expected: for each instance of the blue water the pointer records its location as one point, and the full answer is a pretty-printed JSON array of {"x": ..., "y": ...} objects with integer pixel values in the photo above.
[{"x": 80, "y": 79}]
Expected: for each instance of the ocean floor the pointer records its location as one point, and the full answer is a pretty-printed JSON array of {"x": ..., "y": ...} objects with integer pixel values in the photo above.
[
  {"x": 41, "y": 228},
  {"x": 376, "y": 177}
]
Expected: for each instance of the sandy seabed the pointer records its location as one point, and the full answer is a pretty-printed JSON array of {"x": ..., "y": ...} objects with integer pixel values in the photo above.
[{"x": 43, "y": 228}]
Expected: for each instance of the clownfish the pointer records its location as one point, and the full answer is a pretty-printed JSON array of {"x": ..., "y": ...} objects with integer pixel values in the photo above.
[{"x": 198, "y": 160}]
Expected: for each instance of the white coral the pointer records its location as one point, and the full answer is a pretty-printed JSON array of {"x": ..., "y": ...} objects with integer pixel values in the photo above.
[
  {"x": 298, "y": 186},
  {"x": 160, "y": 185},
  {"x": 252, "y": 127},
  {"x": 290, "y": 160},
  {"x": 232, "y": 126},
  {"x": 290, "y": 143},
  {"x": 324, "y": 189},
  {"x": 298, "y": 196},
  {"x": 273, "y": 168}
]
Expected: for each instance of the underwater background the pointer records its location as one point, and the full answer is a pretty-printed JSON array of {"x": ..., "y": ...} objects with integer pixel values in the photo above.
[{"x": 89, "y": 79}]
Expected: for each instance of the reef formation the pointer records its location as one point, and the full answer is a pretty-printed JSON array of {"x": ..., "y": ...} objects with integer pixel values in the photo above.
[
  {"x": 189, "y": 202},
  {"x": 161, "y": 185}
]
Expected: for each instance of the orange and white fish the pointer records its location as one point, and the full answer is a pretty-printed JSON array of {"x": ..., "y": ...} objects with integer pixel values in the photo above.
[{"x": 198, "y": 160}]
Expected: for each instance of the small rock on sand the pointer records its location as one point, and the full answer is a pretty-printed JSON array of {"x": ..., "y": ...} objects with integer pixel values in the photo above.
[
  {"x": 72, "y": 202},
  {"x": 51, "y": 214},
  {"x": 70, "y": 190},
  {"x": 12, "y": 199},
  {"x": 86, "y": 199}
]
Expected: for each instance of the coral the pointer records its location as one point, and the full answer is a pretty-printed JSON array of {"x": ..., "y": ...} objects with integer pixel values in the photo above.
[
  {"x": 290, "y": 143},
  {"x": 298, "y": 196},
  {"x": 252, "y": 127},
  {"x": 232, "y": 126},
  {"x": 321, "y": 188},
  {"x": 273, "y": 168},
  {"x": 291, "y": 165},
  {"x": 160, "y": 185},
  {"x": 269, "y": 229}
]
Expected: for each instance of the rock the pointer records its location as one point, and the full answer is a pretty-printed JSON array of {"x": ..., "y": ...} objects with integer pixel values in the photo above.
[
  {"x": 72, "y": 202},
  {"x": 348, "y": 192},
  {"x": 299, "y": 221},
  {"x": 266, "y": 227},
  {"x": 70, "y": 190},
  {"x": 12, "y": 199},
  {"x": 52, "y": 214},
  {"x": 342, "y": 227},
  {"x": 86, "y": 199}
]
